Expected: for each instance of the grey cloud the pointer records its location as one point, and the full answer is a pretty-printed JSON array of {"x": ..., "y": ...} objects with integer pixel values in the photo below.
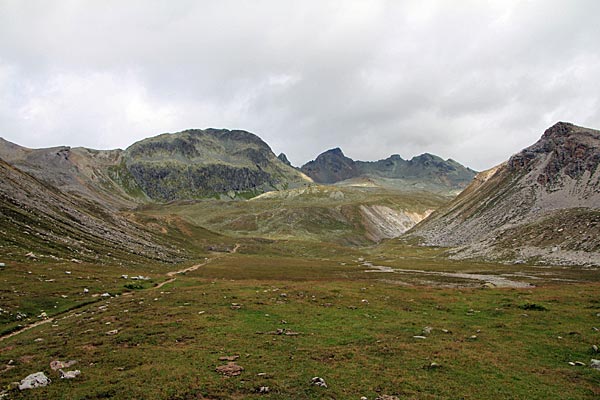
[{"x": 468, "y": 80}]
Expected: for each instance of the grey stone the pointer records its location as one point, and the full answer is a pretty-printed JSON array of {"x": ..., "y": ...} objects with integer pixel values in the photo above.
[
  {"x": 39, "y": 379},
  {"x": 69, "y": 374}
]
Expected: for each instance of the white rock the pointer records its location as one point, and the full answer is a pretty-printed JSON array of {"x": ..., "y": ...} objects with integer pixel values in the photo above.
[
  {"x": 34, "y": 380},
  {"x": 69, "y": 374},
  {"x": 595, "y": 364},
  {"x": 316, "y": 381}
]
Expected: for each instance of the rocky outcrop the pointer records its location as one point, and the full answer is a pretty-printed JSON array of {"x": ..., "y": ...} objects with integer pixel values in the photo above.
[
  {"x": 424, "y": 172},
  {"x": 283, "y": 158},
  {"x": 517, "y": 210}
]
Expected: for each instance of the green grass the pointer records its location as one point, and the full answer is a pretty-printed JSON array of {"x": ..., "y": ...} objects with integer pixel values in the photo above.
[{"x": 170, "y": 339}]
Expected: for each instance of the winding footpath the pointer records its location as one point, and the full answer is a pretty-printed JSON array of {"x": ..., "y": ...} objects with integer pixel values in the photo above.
[{"x": 170, "y": 274}]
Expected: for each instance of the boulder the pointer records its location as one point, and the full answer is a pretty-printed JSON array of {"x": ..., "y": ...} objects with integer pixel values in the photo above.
[{"x": 39, "y": 379}]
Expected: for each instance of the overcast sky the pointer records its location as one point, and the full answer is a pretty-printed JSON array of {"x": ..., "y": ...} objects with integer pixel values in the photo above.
[{"x": 475, "y": 81}]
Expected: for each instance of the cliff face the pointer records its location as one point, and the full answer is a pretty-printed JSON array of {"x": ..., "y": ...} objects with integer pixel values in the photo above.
[
  {"x": 426, "y": 171},
  {"x": 204, "y": 163},
  {"x": 515, "y": 210}
]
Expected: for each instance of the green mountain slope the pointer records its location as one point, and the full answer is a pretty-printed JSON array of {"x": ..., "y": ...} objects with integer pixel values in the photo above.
[
  {"x": 317, "y": 213},
  {"x": 207, "y": 163}
]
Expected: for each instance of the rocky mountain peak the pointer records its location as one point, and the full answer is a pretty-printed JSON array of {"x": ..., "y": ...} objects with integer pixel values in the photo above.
[
  {"x": 531, "y": 196},
  {"x": 332, "y": 154},
  {"x": 283, "y": 158},
  {"x": 563, "y": 150},
  {"x": 559, "y": 129}
]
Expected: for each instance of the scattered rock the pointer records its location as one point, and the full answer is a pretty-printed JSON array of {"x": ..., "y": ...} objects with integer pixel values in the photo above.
[
  {"x": 473, "y": 337},
  {"x": 363, "y": 398},
  {"x": 39, "y": 379},
  {"x": 86, "y": 290},
  {"x": 433, "y": 365},
  {"x": 387, "y": 397},
  {"x": 280, "y": 331},
  {"x": 140, "y": 278},
  {"x": 576, "y": 364},
  {"x": 105, "y": 295},
  {"x": 419, "y": 337},
  {"x": 264, "y": 390},
  {"x": 316, "y": 381},
  {"x": 235, "y": 306},
  {"x": 56, "y": 364},
  {"x": 595, "y": 364},
  {"x": 230, "y": 369},
  {"x": 427, "y": 330},
  {"x": 69, "y": 374},
  {"x": 38, "y": 340},
  {"x": 31, "y": 255},
  {"x": 2, "y": 265},
  {"x": 113, "y": 332},
  {"x": 229, "y": 358}
]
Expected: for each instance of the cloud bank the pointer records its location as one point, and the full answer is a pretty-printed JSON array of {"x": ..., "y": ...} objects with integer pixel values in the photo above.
[{"x": 469, "y": 80}]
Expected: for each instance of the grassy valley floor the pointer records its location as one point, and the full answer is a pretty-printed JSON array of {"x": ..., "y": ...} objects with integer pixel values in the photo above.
[{"x": 289, "y": 311}]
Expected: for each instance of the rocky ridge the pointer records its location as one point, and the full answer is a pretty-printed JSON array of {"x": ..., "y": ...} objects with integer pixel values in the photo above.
[
  {"x": 424, "y": 172},
  {"x": 517, "y": 210}
]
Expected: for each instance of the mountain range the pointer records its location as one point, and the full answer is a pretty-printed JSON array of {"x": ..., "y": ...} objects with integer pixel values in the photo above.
[
  {"x": 424, "y": 172},
  {"x": 542, "y": 204}
]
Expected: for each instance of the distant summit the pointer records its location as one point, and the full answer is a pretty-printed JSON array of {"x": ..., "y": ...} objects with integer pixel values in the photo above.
[{"x": 427, "y": 171}]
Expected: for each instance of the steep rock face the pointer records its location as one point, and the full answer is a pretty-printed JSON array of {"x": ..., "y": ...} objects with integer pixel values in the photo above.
[
  {"x": 424, "y": 172},
  {"x": 511, "y": 210},
  {"x": 203, "y": 163}
]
